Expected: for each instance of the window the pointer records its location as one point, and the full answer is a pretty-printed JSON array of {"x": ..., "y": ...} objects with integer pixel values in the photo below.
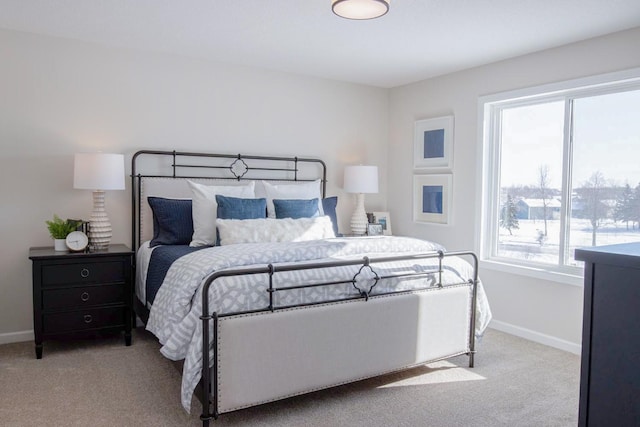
[{"x": 561, "y": 171}]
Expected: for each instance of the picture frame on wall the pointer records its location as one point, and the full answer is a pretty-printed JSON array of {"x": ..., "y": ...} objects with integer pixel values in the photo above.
[
  {"x": 433, "y": 143},
  {"x": 384, "y": 219},
  {"x": 432, "y": 196}
]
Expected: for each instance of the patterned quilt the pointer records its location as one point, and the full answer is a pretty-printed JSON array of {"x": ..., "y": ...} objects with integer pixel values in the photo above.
[{"x": 174, "y": 316}]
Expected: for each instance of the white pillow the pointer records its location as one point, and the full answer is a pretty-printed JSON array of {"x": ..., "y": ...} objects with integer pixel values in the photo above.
[
  {"x": 205, "y": 208},
  {"x": 298, "y": 191},
  {"x": 274, "y": 230}
]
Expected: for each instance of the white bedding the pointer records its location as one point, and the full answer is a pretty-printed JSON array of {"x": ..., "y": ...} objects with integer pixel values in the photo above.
[{"x": 174, "y": 316}]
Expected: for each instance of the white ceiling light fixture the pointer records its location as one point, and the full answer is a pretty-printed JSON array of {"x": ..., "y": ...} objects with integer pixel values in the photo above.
[{"x": 360, "y": 9}]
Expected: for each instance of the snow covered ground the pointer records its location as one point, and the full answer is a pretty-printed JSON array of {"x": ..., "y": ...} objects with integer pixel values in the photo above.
[{"x": 525, "y": 242}]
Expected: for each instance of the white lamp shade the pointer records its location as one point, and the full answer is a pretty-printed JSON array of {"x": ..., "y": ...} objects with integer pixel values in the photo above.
[
  {"x": 361, "y": 179},
  {"x": 360, "y": 9},
  {"x": 98, "y": 171}
]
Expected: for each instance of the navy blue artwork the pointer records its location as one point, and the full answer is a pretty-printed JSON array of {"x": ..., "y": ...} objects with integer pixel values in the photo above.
[
  {"x": 432, "y": 199},
  {"x": 434, "y": 144}
]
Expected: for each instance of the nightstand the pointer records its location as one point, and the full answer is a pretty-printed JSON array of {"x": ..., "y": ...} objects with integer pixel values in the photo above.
[{"x": 81, "y": 294}]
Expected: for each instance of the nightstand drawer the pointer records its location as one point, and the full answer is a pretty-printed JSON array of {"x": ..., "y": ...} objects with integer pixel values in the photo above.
[
  {"x": 95, "y": 318},
  {"x": 88, "y": 272},
  {"x": 83, "y": 296}
]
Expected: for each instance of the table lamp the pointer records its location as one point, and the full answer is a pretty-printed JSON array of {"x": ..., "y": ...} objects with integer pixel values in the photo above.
[
  {"x": 360, "y": 180},
  {"x": 98, "y": 172}
]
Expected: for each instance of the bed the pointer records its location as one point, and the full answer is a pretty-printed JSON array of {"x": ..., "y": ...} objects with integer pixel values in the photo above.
[{"x": 270, "y": 297}]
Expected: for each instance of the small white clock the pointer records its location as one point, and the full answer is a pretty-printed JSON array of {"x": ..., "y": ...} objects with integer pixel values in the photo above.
[{"x": 77, "y": 241}]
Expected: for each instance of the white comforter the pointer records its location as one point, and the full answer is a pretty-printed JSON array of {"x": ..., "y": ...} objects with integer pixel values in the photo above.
[{"x": 174, "y": 316}]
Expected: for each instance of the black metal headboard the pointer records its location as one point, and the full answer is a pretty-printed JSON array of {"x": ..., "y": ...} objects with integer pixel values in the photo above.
[{"x": 236, "y": 167}]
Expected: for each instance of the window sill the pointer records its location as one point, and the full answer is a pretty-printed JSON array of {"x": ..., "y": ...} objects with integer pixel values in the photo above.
[{"x": 535, "y": 272}]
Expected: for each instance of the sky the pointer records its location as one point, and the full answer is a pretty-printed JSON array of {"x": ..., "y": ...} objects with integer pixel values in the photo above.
[{"x": 606, "y": 139}]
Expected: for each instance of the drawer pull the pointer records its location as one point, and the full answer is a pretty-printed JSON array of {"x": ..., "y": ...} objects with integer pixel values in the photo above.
[
  {"x": 85, "y": 296},
  {"x": 87, "y": 318},
  {"x": 84, "y": 273}
]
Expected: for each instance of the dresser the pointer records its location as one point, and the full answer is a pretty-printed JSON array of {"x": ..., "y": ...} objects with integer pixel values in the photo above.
[
  {"x": 81, "y": 294},
  {"x": 610, "y": 370}
]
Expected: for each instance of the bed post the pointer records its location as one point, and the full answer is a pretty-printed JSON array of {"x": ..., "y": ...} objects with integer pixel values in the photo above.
[
  {"x": 135, "y": 228},
  {"x": 472, "y": 329},
  {"x": 207, "y": 415}
]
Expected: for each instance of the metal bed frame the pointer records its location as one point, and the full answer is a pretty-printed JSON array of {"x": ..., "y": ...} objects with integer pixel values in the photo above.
[{"x": 237, "y": 168}]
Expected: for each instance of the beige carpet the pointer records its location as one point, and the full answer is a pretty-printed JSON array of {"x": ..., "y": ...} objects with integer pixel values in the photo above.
[{"x": 103, "y": 383}]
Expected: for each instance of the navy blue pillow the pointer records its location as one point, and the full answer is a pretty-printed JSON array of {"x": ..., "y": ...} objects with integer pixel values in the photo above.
[
  {"x": 329, "y": 207},
  {"x": 236, "y": 208},
  {"x": 172, "y": 221},
  {"x": 296, "y": 208}
]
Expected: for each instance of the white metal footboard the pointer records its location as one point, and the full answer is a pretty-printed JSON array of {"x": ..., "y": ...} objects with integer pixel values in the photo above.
[{"x": 274, "y": 353}]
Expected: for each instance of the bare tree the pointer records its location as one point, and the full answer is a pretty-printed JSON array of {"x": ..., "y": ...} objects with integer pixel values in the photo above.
[
  {"x": 543, "y": 187},
  {"x": 591, "y": 196}
]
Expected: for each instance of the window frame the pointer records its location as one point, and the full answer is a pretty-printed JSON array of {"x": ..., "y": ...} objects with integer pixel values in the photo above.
[{"x": 489, "y": 152}]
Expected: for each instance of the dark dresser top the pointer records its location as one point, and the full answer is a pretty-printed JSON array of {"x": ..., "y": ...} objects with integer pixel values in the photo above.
[{"x": 624, "y": 255}]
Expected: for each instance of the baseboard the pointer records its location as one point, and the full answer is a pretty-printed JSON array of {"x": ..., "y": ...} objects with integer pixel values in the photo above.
[
  {"x": 538, "y": 337},
  {"x": 11, "y": 337},
  {"x": 518, "y": 331}
]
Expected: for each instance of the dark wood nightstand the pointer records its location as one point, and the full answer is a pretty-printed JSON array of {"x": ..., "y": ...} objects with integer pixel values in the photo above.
[{"x": 81, "y": 294}]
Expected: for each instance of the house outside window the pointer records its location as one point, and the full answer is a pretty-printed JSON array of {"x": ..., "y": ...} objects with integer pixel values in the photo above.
[{"x": 561, "y": 170}]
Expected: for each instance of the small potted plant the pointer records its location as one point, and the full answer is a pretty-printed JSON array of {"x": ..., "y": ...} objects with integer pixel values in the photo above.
[{"x": 59, "y": 229}]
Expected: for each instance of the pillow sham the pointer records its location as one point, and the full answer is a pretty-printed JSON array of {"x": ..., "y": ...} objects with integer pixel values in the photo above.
[
  {"x": 234, "y": 231},
  {"x": 237, "y": 208},
  {"x": 296, "y": 208},
  {"x": 298, "y": 190},
  {"x": 329, "y": 205},
  {"x": 172, "y": 221},
  {"x": 205, "y": 208}
]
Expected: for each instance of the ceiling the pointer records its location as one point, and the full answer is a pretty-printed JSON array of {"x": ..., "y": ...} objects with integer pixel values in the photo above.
[{"x": 416, "y": 40}]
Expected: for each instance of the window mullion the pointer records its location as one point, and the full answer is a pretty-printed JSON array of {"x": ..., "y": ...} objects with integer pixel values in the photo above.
[
  {"x": 567, "y": 162},
  {"x": 496, "y": 144}
]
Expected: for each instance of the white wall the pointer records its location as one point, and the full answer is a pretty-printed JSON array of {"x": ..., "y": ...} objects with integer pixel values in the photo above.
[
  {"x": 58, "y": 97},
  {"x": 547, "y": 311}
]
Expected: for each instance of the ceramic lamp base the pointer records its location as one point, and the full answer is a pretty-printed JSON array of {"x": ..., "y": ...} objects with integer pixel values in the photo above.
[
  {"x": 359, "y": 218},
  {"x": 99, "y": 226}
]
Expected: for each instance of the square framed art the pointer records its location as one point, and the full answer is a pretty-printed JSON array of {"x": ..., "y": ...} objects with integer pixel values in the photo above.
[
  {"x": 433, "y": 143},
  {"x": 384, "y": 219},
  {"x": 374, "y": 229},
  {"x": 432, "y": 198}
]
